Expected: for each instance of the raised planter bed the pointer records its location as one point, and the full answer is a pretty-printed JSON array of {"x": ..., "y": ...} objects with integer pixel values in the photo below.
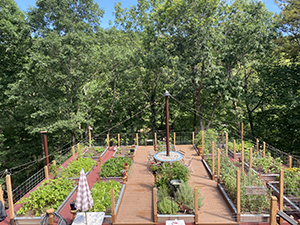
[
  {"x": 95, "y": 154},
  {"x": 122, "y": 151}
]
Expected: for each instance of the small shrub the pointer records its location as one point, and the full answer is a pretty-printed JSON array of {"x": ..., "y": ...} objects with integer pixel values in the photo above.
[
  {"x": 74, "y": 167},
  {"x": 113, "y": 166},
  {"x": 99, "y": 149},
  {"x": 166, "y": 206},
  {"x": 186, "y": 195}
]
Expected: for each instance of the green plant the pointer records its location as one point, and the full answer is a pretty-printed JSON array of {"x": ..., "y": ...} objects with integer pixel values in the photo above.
[
  {"x": 185, "y": 195},
  {"x": 210, "y": 136},
  {"x": 50, "y": 194},
  {"x": 101, "y": 195},
  {"x": 74, "y": 167},
  {"x": 113, "y": 166},
  {"x": 166, "y": 206},
  {"x": 55, "y": 170},
  {"x": 238, "y": 146},
  {"x": 162, "y": 192},
  {"x": 113, "y": 141},
  {"x": 99, "y": 149}
]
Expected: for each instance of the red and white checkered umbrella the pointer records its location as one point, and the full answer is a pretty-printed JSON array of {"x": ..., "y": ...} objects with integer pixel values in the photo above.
[{"x": 84, "y": 200}]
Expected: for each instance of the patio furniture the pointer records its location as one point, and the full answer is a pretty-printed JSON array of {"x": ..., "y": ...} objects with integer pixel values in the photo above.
[
  {"x": 91, "y": 218},
  {"x": 162, "y": 156}
]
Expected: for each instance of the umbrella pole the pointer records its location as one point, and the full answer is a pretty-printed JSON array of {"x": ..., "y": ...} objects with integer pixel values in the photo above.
[{"x": 85, "y": 218}]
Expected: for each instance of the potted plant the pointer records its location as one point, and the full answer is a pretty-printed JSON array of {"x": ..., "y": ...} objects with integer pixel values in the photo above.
[
  {"x": 72, "y": 205},
  {"x": 124, "y": 173},
  {"x": 126, "y": 166}
]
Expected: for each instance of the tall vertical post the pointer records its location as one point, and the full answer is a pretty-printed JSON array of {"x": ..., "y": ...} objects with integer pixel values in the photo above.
[
  {"x": 90, "y": 136},
  {"x": 281, "y": 181},
  {"x": 44, "y": 133},
  {"x": 257, "y": 145},
  {"x": 242, "y": 132},
  {"x": 264, "y": 149},
  {"x": 243, "y": 157},
  {"x": 167, "y": 94},
  {"x": 119, "y": 140},
  {"x": 10, "y": 199},
  {"x": 174, "y": 138},
  {"x": 203, "y": 144},
  {"x": 226, "y": 143},
  {"x": 273, "y": 211},
  {"x": 238, "y": 196},
  {"x": 107, "y": 137},
  {"x": 112, "y": 199},
  {"x": 250, "y": 158},
  {"x": 219, "y": 167},
  {"x": 1, "y": 196},
  {"x": 155, "y": 139},
  {"x": 46, "y": 172},
  {"x": 213, "y": 161},
  {"x": 222, "y": 139},
  {"x": 193, "y": 138},
  {"x": 290, "y": 161},
  {"x": 196, "y": 204},
  {"x": 234, "y": 149},
  {"x": 154, "y": 205}
]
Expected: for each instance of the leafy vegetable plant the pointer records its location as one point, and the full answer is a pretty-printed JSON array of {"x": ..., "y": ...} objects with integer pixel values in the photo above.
[
  {"x": 74, "y": 167},
  {"x": 113, "y": 166}
]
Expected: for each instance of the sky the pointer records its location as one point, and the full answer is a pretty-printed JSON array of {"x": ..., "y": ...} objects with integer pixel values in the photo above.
[{"x": 108, "y": 6}]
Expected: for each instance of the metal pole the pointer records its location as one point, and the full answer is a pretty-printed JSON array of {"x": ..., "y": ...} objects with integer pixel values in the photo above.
[
  {"x": 167, "y": 94},
  {"x": 44, "y": 133}
]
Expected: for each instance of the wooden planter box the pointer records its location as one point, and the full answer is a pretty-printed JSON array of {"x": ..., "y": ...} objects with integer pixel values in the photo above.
[
  {"x": 245, "y": 217},
  {"x": 94, "y": 157},
  {"x": 264, "y": 177},
  {"x": 36, "y": 220}
]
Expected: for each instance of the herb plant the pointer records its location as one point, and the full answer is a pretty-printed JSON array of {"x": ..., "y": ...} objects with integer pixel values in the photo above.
[
  {"x": 186, "y": 195},
  {"x": 166, "y": 206}
]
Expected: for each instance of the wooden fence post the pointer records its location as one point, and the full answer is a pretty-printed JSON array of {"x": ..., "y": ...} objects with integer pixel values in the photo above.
[
  {"x": 203, "y": 144},
  {"x": 196, "y": 204},
  {"x": 1, "y": 196},
  {"x": 119, "y": 140},
  {"x": 273, "y": 210},
  {"x": 155, "y": 139},
  {"x": 174, "y": 138},
  {"x": 112, "y": 199},
  {"x": 107, "y": 137},
  {"x": 257, "y": 145},
  {"x": 218, "y": 172},
  {"x": 154, "y": 205},
  {"x": 137, "y": 138},
  {"x": 242, "y": 132},
  {"x": 234, "y": 149},
  {"x": 90, "y": 136},
  {"x": 50, "y": 213},
  {"x": 281, "y": 182},
  {"x": 73, "y": 152},
  {"x": 10, "y": 199},
  {"x": 46, "y": 172},
  {"x": 213, "y": 161},
  {"x": 226, "y": 144},
  {"x": 264, "y": 149},
  {"x": 243, "y": 157},
  {"x": 238, "y": 196},
  {"x": 290, "y": 161},
  {"x": 193, "y": 138},
  {"x": 250, "y": 158}
]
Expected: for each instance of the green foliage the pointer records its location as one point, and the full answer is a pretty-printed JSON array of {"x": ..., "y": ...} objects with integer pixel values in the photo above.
[
  {"x": 267, "y": 164},
  {"x": 292, "y": 181},
  {"x": 113, "y": 166},
  {"x": 238, "y": 146},
  {"x": 50, "y": 194},
  {"x": 210, "y": 136},
  {"x": 171, "y": 171},
  {"x": 166, "y": 206},
  {"x": 99, "y": 149},
  {"x": 101, "y": 195},
  {"x": 74, "y": 167},
  {"x": 185, "y": 195},
  {"x": 162, "y": 193}
]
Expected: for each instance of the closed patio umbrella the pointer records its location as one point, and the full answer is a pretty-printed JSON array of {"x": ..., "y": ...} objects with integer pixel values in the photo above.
[{"x": 84, "y": 200}]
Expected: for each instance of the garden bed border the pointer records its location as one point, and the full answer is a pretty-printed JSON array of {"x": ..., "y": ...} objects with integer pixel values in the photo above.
[{"x": 95, "y": 157}]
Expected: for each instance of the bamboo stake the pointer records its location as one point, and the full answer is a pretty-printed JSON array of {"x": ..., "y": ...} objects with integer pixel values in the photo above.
[
  {"x": 238, "y": 196},
  {"x": 196, "y": 204},
  {"x": 213, "y": 161},
  {"x": 226, "y": 134},
  {"x": 119, "y": 140},
  {"x": 90, "y": 136},
  {"x": 234, "y": 150},
  {"x": 281, "y": 182},
  {"x": 250, "y": 158},
  {"x": 107, "y": 137},
  {"x": 243, "y": 157},
  {"x": 273, "y": 210},
  {"x": 264, "y": 149},
  {"x": 154, "y": 205},
  {"x": 193, "y": 138},
  {"x": 46, "y": 172},
  {"x": 10, "y": 199},
  {"x": 73, "y": 152},
  {"x": 113, "y": 215},
  {"x": 203, "y": 144},
  {"x": 1, "y": 196},
  {"x": 218, "y": 172}
]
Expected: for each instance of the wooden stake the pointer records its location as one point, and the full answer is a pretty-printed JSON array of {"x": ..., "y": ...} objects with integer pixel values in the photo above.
[
  {"x": 243, "y": 158},
  {"x": 174, "y": 138},
  {"x": 193, "y": 138},
  {"x": 10, "y": 199},
  {"x": 213, "y": 161},
  {"x": 137, "y": 138},
  {"x": 46, "y": 172},
  {"x": 234, "y": 149},
  {"x": 196, "y": 204},
  {"x": 290, "y": 161},
  {"x": 73, "y": 153},
  {"x": 107, "y": 137},
  {"x": 112, "y": 198},
  {"x": 203, "y": 144},
  {"x": 250, "y": 158},
  {"x": 100, "y": 160},
  {"x": 218, "y": 172},
  {"x": 226, "y": 134},
  {"x": 264, "y": 149},
  {"x": 119, "y": 140},
  {"x": 242, "y": 132},
  {"x": 155, "y": 139},
  {"x": 90, "y": 136},
  {"x": 257, "y": 145},
  {"x": 154, "y": 205},
  {"x": 54, "y": 163},
  {"x": 78, "y": 149},
  {"x": 273, "y": 210},
  {"x": 50, "y": 213},
  {"x": 1, "y": 196},
  {"x": 238, "y": 196},
  {"x": 281, "y": 182}
]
